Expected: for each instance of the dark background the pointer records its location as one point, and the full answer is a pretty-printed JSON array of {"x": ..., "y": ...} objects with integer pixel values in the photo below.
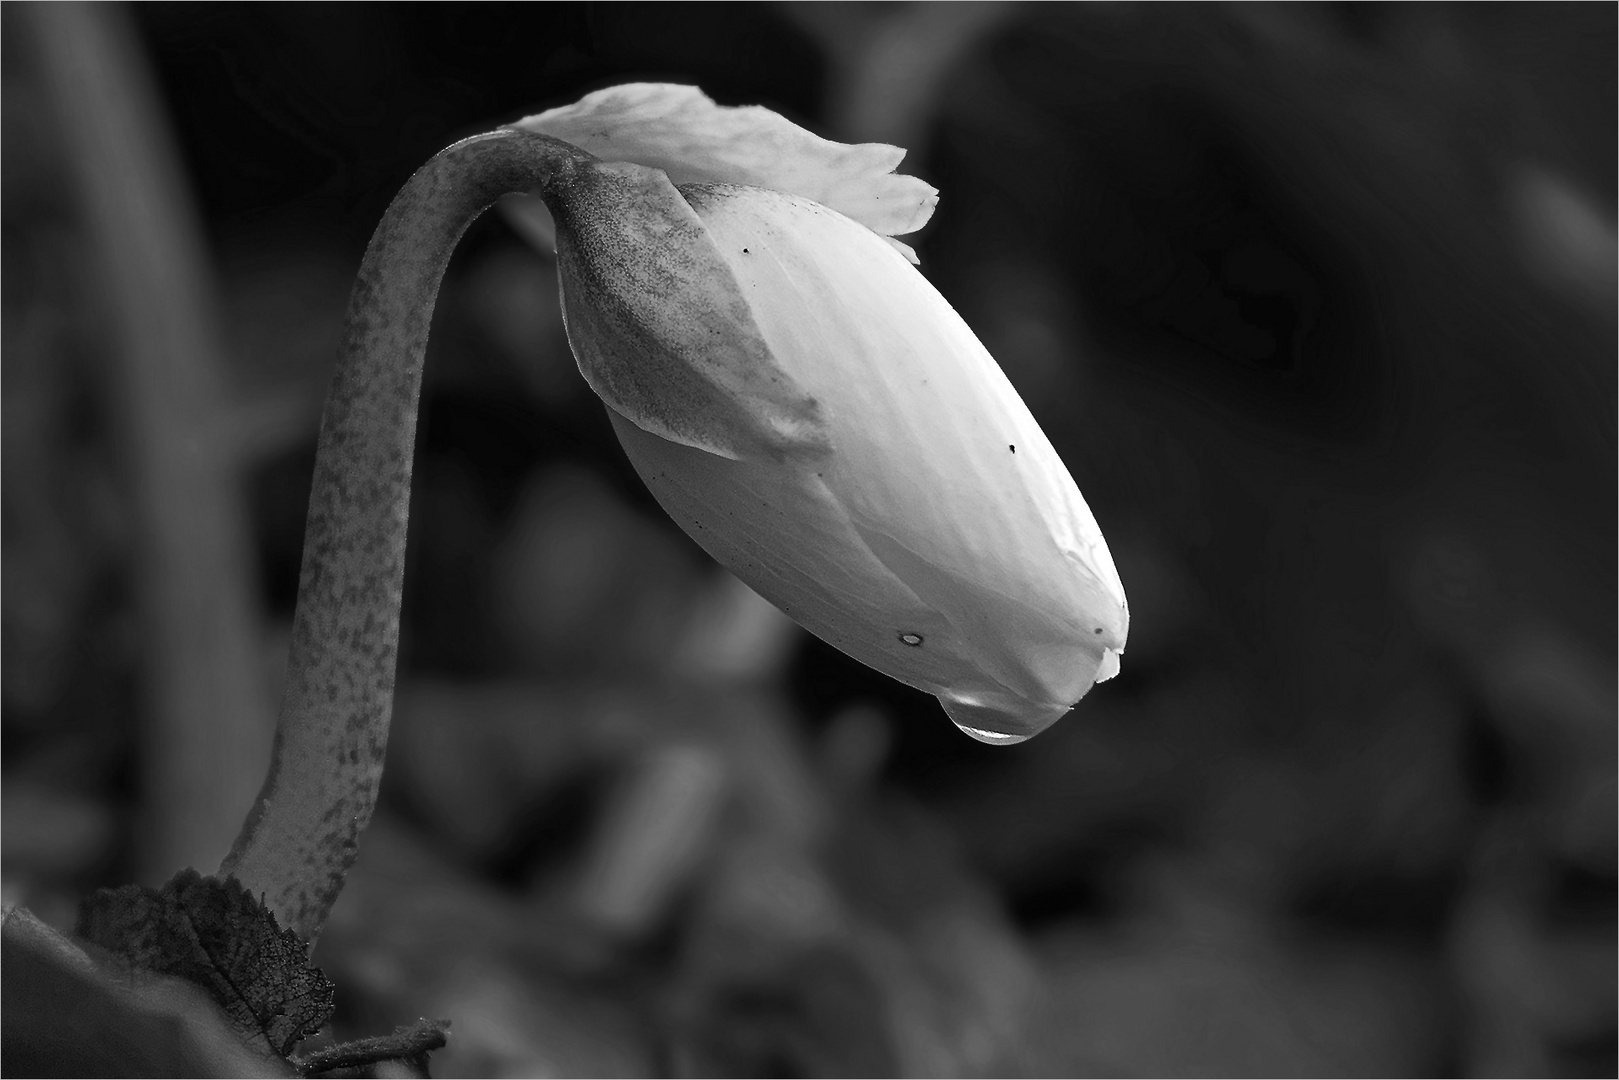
[{"x": 1318, "y": 305}]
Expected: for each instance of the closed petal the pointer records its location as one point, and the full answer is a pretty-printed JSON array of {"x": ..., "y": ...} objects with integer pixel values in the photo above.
[
  {"x": 935, "y": 448},
  {"x": 942, "y": 475}
]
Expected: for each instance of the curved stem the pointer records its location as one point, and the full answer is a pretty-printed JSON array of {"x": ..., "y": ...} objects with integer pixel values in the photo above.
[{"x": 301, "y": 837}]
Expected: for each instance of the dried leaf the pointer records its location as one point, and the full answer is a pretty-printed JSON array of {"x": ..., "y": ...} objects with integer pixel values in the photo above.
[{"x": 213, "y": 933}]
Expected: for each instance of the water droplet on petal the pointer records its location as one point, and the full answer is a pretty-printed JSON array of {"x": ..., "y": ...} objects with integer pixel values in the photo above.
[
  {"x": 998, "y": 723},
  {"x": 993, "y": 738}
]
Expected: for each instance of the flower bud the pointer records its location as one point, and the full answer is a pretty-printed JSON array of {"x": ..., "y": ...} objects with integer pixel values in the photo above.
[{"x": 816, "y": 416}]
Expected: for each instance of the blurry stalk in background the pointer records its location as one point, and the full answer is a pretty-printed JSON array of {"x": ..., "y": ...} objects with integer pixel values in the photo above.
[{"x": 205, "y": 725}]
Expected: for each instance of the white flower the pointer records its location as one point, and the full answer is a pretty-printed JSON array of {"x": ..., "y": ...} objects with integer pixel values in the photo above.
[{"x": 815, "y": 415}]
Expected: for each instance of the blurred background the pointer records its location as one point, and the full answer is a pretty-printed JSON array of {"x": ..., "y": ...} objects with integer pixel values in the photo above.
[{"x": 1317, "y": 302}]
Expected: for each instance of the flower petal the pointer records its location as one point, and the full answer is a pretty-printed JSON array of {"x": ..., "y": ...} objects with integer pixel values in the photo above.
[
  {"x": 680, "y": 130},
  {"x": 659, "y": 326},
  {"x": 938, "y": 465}
]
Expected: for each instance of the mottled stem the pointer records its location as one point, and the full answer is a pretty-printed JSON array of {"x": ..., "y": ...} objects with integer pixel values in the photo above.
[{"x": 302, "y": 835}]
